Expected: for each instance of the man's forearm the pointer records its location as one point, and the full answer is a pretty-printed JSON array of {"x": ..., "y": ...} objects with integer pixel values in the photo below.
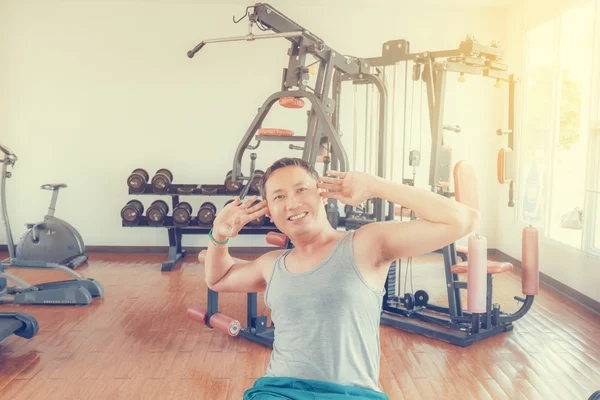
[
  {"x": 427, "y": 205},
  {"x": 218, "y": 263}
]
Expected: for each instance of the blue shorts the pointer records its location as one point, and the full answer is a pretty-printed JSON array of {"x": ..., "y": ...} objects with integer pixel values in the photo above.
[{"x": 268, "y": 388}]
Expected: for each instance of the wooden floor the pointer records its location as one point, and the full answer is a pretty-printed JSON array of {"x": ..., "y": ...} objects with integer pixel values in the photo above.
[{"x": 136, "y": 343}]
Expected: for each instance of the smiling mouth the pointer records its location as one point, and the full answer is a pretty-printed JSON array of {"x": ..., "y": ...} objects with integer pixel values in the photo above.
[{"x": 297, "y": 217}]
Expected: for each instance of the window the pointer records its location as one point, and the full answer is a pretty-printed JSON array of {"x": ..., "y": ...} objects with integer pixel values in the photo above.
[
  {"x": 535, "y": 140},
  {"x": 555, "y": 150},
  {"x": 591, "y": 230}
]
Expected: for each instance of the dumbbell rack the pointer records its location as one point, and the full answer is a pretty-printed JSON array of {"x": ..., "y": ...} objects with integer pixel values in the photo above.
[{"x": 176, "y": 253}]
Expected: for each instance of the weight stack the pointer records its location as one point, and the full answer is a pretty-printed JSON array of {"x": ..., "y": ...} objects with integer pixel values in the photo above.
[{"x": 390, "y": 285}]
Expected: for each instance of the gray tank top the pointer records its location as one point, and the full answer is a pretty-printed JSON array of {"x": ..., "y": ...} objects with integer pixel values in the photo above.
[{"x": 326, "y": 321}]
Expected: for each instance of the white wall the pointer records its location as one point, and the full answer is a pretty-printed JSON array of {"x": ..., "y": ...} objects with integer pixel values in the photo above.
[
  {"x": 567, "y": 265},
  {"x": 3, "y": 69},
  {"x": 95, "y": 89}
]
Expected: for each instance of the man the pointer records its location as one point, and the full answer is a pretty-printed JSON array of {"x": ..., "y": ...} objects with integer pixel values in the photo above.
[{"x": 325, "y": 294}]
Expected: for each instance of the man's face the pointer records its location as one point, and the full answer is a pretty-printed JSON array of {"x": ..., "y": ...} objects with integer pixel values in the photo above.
[{"x": 294, "y": 201}]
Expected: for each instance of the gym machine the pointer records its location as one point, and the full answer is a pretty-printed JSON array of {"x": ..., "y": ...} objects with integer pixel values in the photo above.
[
  {"x": 321, "y": 143},
  {"x": 38, "y": 248},
  {"x": 52, "y": 235},
  {"x": 20, "y": 324},
  {"x": 179, "y": 217},
  {"x": 410, "y": 312}
]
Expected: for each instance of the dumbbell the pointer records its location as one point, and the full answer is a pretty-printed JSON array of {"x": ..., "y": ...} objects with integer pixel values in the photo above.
[
  {"x": 182, "y": 214},
  {"x": 157, "y": 212},
  {"x": 207, "y": 213},
  {"x": 132, "y": 211},
  {"x": 137, "y": 180},
  {"x": 161, "y": 180},
  {"x": 255, "y": 183},
  {"x": 231, "y": 185}
]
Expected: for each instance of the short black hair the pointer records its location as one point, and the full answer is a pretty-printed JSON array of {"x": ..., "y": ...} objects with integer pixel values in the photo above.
[{"x": 286, "y": 162}]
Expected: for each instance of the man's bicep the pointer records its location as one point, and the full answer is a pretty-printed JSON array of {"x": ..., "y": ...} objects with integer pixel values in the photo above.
[{"x": 393, "y": 240}]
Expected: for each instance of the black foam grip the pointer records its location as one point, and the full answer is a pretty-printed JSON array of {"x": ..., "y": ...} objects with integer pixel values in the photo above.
[{"x": 196, "y": 49}]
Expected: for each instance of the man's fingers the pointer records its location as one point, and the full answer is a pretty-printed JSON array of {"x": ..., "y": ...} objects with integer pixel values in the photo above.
[
  {"x": 336, "y": 173},
  {"x": 257, "y": 207},
  {"x": 257, "y": 214},
  {"x": 243, "y": 220},
  {"x": 236, "y": 202},
  {"x": 332, "y": 195},
  {"x": 330, "y": 187},
  {"x": 249, "y": 202},
  {"x": 329, "y": 180}
]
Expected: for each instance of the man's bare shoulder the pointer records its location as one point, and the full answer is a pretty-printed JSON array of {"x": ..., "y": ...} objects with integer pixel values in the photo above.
[{"x": 266, "y": 261}]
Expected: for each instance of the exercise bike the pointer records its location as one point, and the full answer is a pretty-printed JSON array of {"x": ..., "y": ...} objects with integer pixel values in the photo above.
[
  {"x": 52, "y": 241},
  {"x": 53, "y": 237}
]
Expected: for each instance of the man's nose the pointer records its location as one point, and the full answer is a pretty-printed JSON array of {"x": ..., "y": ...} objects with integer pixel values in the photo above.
[{"x": 292, "y": 202}]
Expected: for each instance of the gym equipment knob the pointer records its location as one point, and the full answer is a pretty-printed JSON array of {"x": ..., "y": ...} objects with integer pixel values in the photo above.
[
  {"x": 137, "y": 180},
  {"x": 157, "y": 212},
  {"x": 132, "y": 211},
  {"x": 207, "y": 213},
  {"x": 161, "y": 180},
  {"x": 182, "y": 214}
]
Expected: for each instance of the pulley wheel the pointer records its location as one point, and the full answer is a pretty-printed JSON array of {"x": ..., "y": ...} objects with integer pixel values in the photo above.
[
  {"x": 421, "y": 298},
  {"x": 408, "y": 301}
]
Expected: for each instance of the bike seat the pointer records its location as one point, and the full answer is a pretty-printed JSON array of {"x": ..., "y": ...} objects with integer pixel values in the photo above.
[{"x": 53, "y": 186}]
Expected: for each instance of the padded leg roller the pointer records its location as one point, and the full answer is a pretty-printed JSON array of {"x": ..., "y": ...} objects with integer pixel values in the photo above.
[
  {"x": 197, "y": 313},
  {"x": 291, "y": 102},
  {"x": 530, "y": 279},
  {"x": 225, "y": 324},
  {"x": 275, "y": 132},
  {"x": 477, "y": 274},
  {"x": 218, "y": 321},
  {"x": 276, "y": 239}
]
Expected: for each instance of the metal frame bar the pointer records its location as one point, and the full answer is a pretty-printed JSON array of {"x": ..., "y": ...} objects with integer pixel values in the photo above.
[{"x": 330, "y": 132}]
